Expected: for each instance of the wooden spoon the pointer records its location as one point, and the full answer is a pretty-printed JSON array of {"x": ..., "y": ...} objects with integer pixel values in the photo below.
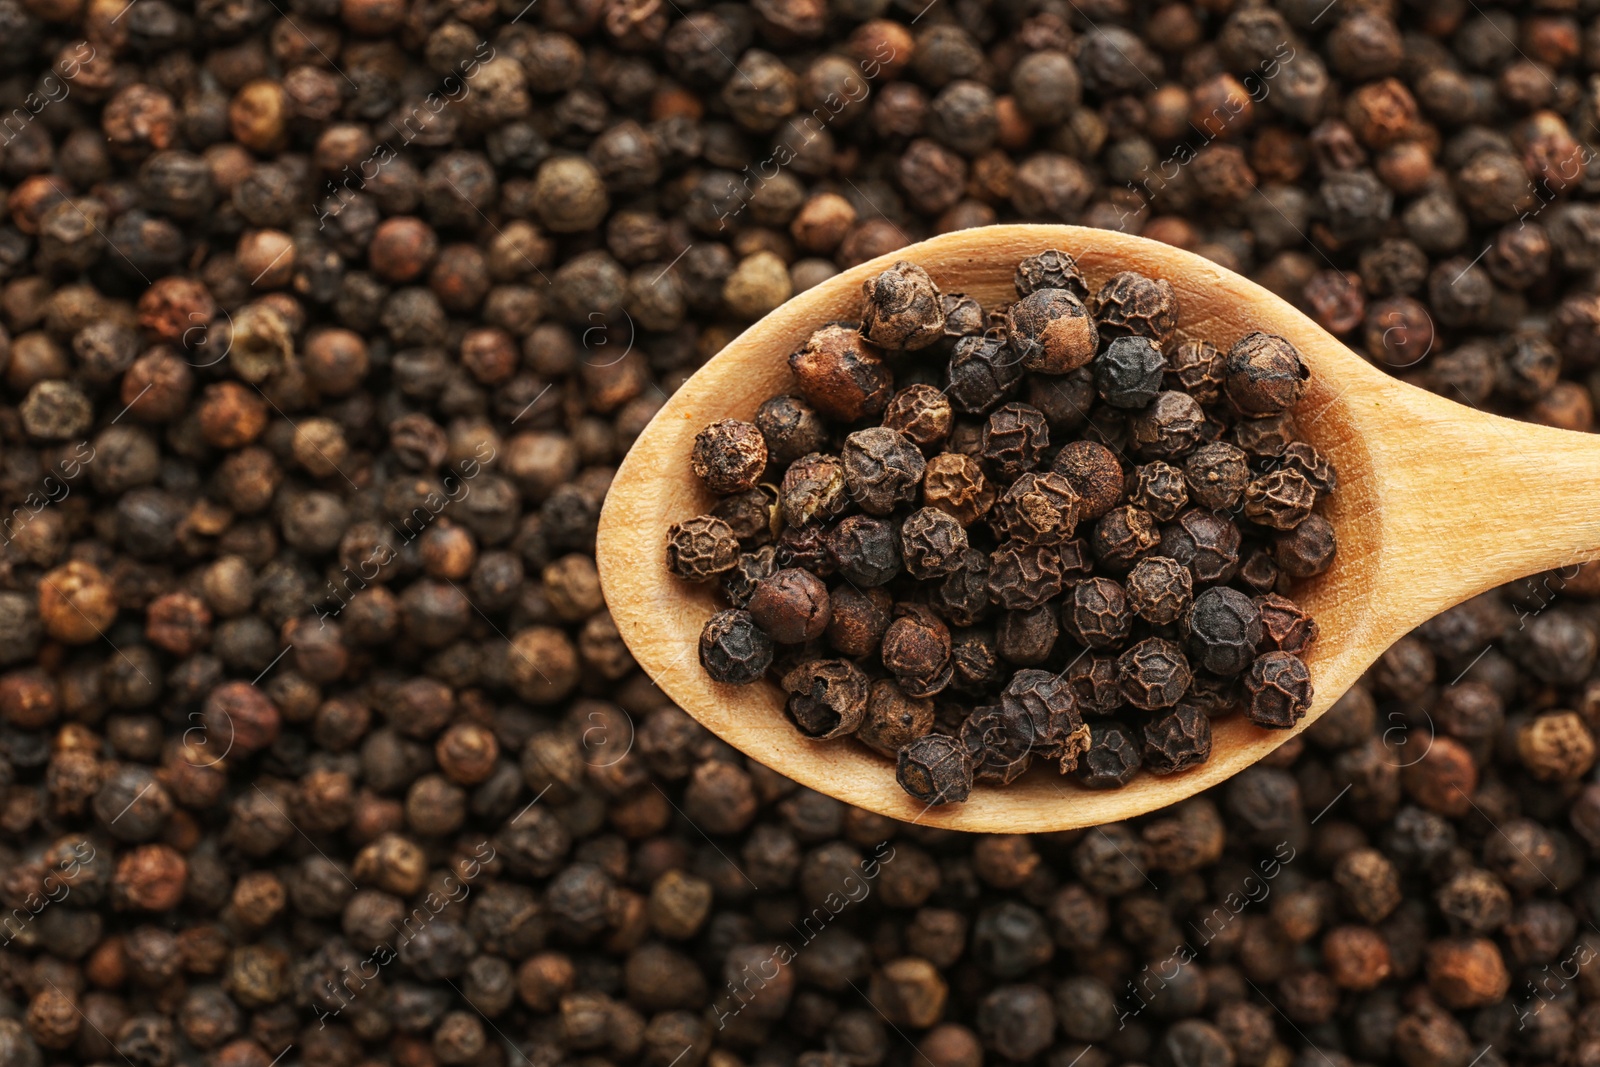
[{"x": 1436, "y": 503}]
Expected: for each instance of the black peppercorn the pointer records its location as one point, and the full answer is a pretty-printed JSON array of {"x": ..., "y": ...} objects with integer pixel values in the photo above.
[
  {"x": 1280, "y": 499},
  {"x": 1159, "y": 589},
  {"x": 1158, "y": 488},
  {"x": 1096, "y": 613},
  {"x": 1168, "y": 427},
  {"x": 962, "y": 597},
  {"x": 1177, "y": 741},
  {"x": 1015, "y": 439},
  {"x": 1113, "y": 758},
  {"x": 791, "y": 427},
  {"x": 733, "y": 649},
  {"x": 1217, "y": 475},
  {"x": 1023, "y": 576},
  {"x": 1224, "y": 628},
  {"x": 1153, "y": 674},
  {"x": 1123, "y": 536},
  {"x": 932, "y": 543},
  {"x": 1127, "y": 374},
  {"x": 1307, "y": 550},
  {"x": 1277, "y": 690},
  {"x": 935, "y": 769},
  {"x": 865, "y": 550},
  {"x": 984, "y": 371}
]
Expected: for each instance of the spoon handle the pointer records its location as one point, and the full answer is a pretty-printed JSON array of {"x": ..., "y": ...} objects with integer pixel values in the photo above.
[{"x": 1475, "y": 500}]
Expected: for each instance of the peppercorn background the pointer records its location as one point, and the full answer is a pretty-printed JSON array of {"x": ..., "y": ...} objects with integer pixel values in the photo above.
[{"x": 325, "y": 327}]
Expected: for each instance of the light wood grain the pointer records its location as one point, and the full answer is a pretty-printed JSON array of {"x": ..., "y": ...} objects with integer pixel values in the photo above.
[{"x": 1437, "y": 502}]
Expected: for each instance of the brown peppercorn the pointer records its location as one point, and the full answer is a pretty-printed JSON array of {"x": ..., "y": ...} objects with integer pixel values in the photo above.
[
  {"x": 467, "y": 753},
  {"x": 1131, "y": 305},
  {"x": 932, "y": 543},
  {"x": 791, "y": 427},
  {"x": 150, "y": 878},
  {"x": 53, "y": 1019},
  {"x": 859, "y": 618},
  {"x": 1556, "y": 746},
  {"x": 1357, "y": 957},
  {"x": 920, "y": 412},
  {"x": 1159, "y": 590},
  {"x": 729, "y": 456},
  {"x": 842, "y": 375},
  {"x": 1051, "y": 332},
  {"x": 902, "y": 308},
  {"x": 916, "y": 650},
  {"x": 1285, "y": 627},
  {"x": 679, "y": 904},
  {"x": 1197, "y": 368},
  {"x": 791, "y": 606},
  {"x": 258, "y": 115},
  {"x": 402, "y": 248},
  {"x": 1095, "y": 475},
  {"x": 700, "y": 548},
  {"x": 1037, "y": 509},
  {"x": 893, "y": 719},
  {"x": 1443, "y": 778},
  {"x": 1264, "y": 374},
  {"x": 827, "y": 697},
  {"x": 76, "y": 603},
  {"x": 231, "y": 415},
  {"x": 883, "y": 469},
  {"x": 814, "y": 490},
  {"x": 1370, "y": 883},
  {"x": 1280, "y": 499},
  {"x": 335, "y": 360},
  {"x": 1466, "y": 972},
  {"x": 955, "y": 484}
]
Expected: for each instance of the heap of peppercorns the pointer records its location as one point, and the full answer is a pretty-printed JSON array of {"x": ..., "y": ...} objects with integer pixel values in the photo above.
[{"x": 960, "y": 533}]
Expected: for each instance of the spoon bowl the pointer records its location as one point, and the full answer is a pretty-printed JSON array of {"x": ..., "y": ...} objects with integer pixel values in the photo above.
[{"x": 1436, "y": 503}]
